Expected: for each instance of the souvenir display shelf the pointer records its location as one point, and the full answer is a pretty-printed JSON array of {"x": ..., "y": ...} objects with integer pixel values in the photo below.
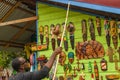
[{"x": 53, "y": 15}]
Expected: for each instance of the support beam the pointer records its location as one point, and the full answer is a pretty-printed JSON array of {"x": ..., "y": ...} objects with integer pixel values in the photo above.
[
  {"x": 20, "y": 8},
  {"x": 18, "y": 27},
  {"x": 18, "y": 34},
  {"x": 16, "y": 46},
  {"x": 19, "y": 21},
  {"x": 15, "y": 43},
  {"x": 10, "y": 11}
]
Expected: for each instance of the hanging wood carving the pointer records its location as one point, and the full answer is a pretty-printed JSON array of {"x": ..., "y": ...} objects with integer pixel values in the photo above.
[
  {"x": 98, "y": 25},
  {"x": 65, "y": 38},
  {"x": 107, "y": 31},
  {"x": 57, "y": 33},
  {"x": 84, "y": 29},
  {"x": 71, "y": 30},
  {"x": 89, "y": 49},
  {"x": 53, "y": 41},
  {"x": 41, "y": 31},
  {"x": 91, "y": 28},
  {"x": 114, "y": 34},
  {"x": 46, "y": 30}
]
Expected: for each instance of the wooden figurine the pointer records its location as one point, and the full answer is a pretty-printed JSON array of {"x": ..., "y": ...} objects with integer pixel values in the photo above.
[
  {"x": 96, "y": 71},
  {"x": 98, "y": 24},
  {"x": 78, "y": 65},
  {"x": 74, "y": 75},
  {"x": 89, "y": 67},
  {"x": 71, "y": 57},
  {"x": 119, "y": 53},
  {"x": 62, "y": 58},
  {"x": 103, "y": 64},
  {"x": 41, "y": 31},
  {"x": 82, "y": 76},
  {"x": 107, "y": 31},
  {"x": 46, "y": 30},
  {"x": 116, "y": 62},
  {"x": 110, "y": 53},
  {"x": 71, "y": 30},
  {"x": 82, "y": 66},
  {"x": 91, "y": 29},
  {"x": 57, "y": 32},
  {"x": 113, "y": 31},
  {"x": 67, "y": 68},
  {"x": 52, "y": 28},
  {"x": 118, "y": 26},
  {"x": 65, "y": 38},
  {"x": 84, "y": 30},
  {"x": 113, "y": 77}
]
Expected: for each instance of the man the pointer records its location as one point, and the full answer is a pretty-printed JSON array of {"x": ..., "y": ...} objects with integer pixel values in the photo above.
[{"x": 18, "y": 64}]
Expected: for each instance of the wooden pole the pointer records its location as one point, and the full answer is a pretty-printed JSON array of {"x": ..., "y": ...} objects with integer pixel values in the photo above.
[
  {"x": 61, "y": 40},
  {"x": 18, "y": 21}
]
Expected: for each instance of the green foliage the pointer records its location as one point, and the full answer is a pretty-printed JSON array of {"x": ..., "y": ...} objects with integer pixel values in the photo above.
[{"x": 6, "y": 57}]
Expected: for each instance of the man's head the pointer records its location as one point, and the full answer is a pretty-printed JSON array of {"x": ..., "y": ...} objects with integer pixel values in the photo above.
[{"x": 18, "y": 64}]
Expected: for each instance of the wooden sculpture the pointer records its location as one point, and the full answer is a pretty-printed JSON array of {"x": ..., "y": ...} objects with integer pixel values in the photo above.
[
  {"x": 67, "y": 68},
  {"x": 74, "y": 74},
  {"x": 116, "y": 62},
  {"x": 89, "y": 49},
  {"x": 91, "y": 29},
  {"x": 41, "y": 31},
  {"x": 98, "y": 25},
  {"x": 119, "y": 53},
  {"x": 46, "y": 30},
  {"x": 57, "y": 32},
  {"x": 82, "y": 76},
  {"x": 71, "y": 57},
  {"x": 110, "y": 53},
  {"x": 78, "y": 65},
  {"x": 84, "y": 30},
  {"x": 71, "y": 29},
  {"x": 107, "y": 31},
  {"x": 114, "y": 34},
  {"x": 65, "y": 39},
  {"x": 118, "y": 25},
  {"x": 62, "y": 58},
  {"x": 53, "y": 41}
]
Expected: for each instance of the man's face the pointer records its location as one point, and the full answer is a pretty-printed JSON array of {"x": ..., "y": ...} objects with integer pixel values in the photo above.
[{"x": 22, "y": 64}]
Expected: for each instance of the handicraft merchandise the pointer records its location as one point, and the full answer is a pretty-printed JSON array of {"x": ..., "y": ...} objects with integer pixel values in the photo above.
[
  {"x": 84, "y": 29},
  {"x": 53, "y": 41},
  {"x": 41, "y": 31},
  {"x": 91, "y": 29},
  {"x": 89, "y": 49},
  {"x": 114, "y": 34},
  {"x": 46, "y": 30},
  {"x": 98, "y": 24},
  {"x": 71, "y": 30}
]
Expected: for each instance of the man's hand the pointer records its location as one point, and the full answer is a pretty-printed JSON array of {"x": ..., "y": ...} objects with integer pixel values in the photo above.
[{"x": 58, "y": 50}]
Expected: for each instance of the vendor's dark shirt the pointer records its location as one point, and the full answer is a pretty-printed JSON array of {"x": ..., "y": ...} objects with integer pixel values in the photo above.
[{"x": 36, "y": 75}]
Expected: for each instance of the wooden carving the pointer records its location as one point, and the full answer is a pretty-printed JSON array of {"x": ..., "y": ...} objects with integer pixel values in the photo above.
[
  {"x": 84, "y": 29},
  {"x": 89, "y": 49},
  {"x": 98, "y": 24},
  {"x": 62, "y": 58},
  {"x": 46, "y": 30},
  {"x": 41, "y": 31},
  {"x": 118, "y": 25},
  {"x": 107, "y": 31},
  {"x": 65, "y": 39},
  {"x": 53, "y": 41},
  {"x": 71, "y": 29},
  {"x": 91, "y": 29},
  {"x": 113, "y": 31}
]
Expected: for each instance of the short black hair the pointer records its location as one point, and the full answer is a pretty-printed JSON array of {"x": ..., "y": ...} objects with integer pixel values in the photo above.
[{"x": 16, "y": 64}]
